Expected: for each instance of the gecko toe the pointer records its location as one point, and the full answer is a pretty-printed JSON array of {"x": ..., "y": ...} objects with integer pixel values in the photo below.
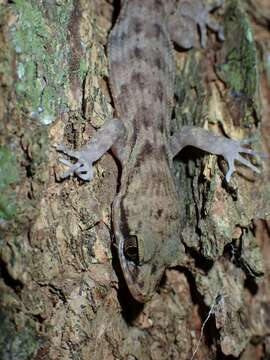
[
  {"x": 69, "y": 152},
  {"x": 72, "y": 167},
  {"x": 246, "y": 162},
  {"x": 67, "y": 173},
  {"x": 85, "y": 171},
  {"x": 251, "y": 152},
  {"x": 65, "y": 162},
  {"x": 230, "y": 170}
]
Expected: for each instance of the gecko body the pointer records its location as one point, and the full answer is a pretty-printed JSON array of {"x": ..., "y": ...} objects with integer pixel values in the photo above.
[
  {"x": 146, "y": 215},
  {"x": 142, "y": 81}
]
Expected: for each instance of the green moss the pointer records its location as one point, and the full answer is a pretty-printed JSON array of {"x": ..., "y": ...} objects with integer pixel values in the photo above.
[
  {"x": 19, "y": 345},
  {"x": 39, "y": 37},
  {"x": 83, "y": 68},
  {"x": 239, "y": 71},
  {"x": 267, "y": 66},
  {"x": 8, "y": 176},
  {"x": 185, "y": 83},
  {"x": 5, "y": 53},
  {"x": 251, "y": 258}
]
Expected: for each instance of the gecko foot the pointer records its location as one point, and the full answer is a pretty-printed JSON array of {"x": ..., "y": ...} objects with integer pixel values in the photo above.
[
  {"x": 83, "y": 168},
  {"x": 204, "y": 20},
  {"x": 232, "y": 154},
  {"x": 190, "y": 15}
]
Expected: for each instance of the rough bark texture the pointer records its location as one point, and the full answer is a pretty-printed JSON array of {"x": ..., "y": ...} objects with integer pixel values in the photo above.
[{"x": 61, "y": 291}]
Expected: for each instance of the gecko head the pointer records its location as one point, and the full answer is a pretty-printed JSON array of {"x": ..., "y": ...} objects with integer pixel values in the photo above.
[
  {"x": 146, "y": 227},
  {"x": 141, "y": 277}
]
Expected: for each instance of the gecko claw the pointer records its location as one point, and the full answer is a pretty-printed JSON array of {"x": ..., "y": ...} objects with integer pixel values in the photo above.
[
  {"x": 234, "y": 155},
  {"x": 85, "y": 172},
  {"x": 72, "y": 168},
  {"x": 246, "y": 141},
  {"x": 82, "y": 168},
  {"x": 249, "y": 141},
  {"x": 244, "y": 161}
]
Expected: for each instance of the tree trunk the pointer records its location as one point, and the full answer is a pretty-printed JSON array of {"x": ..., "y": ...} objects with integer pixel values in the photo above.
[{"x": 62, "y": 295}]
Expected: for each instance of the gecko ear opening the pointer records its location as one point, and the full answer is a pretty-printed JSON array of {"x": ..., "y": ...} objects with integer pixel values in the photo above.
[{"x": 131, "y": 249}]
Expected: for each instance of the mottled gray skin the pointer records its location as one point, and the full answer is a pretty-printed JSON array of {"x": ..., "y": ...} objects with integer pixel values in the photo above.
[
  {"x": 142, "y": 81},
  {"x": 141, "y": 74}
]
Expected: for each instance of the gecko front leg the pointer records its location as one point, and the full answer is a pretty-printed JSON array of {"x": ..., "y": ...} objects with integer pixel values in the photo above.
[
  {"x": 218, "y": 145},
  {"x": 98, "y": 145}
]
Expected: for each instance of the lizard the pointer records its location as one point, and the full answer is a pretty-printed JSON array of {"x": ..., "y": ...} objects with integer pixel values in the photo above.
[{"x": 145, "y": 212}]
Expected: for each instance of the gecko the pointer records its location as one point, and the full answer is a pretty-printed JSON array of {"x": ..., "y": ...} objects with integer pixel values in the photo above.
[{"x": 146, "y": 216}]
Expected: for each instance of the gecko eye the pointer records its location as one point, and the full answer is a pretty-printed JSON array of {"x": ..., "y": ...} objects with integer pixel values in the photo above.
[{"x": 131, "y": 249}]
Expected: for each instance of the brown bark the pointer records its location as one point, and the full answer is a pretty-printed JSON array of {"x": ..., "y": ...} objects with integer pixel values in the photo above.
[{"x": 62, "y": 295}]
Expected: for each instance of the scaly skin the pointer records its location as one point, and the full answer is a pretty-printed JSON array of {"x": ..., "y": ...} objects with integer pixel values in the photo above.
[
  {"x": 142, "y": 76},
  {"x": 146, "y": 215}
]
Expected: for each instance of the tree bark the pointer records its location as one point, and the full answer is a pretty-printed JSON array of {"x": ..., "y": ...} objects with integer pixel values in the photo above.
[{"x": 62, "y": 295}]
